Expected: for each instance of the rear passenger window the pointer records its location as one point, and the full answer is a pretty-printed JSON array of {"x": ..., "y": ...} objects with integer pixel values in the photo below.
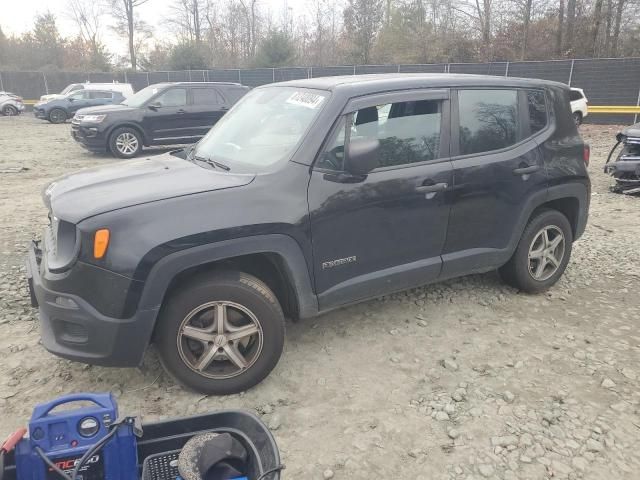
[
  {"x": 94, "y": 94},
  {"x": 574, "y": 95},
  {"x": 206, "y": 96},
  {"x": 488, "y": 120},
  {"x": 537, "y": 110}
]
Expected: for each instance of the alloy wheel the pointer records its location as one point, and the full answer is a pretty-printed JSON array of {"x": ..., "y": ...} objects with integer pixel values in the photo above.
[
  {"x": 127, "y": 143},
  {"x": 546, "y": 253},
  {"x": 220, "y": 339},
  {"x": 10, "y": 111}
]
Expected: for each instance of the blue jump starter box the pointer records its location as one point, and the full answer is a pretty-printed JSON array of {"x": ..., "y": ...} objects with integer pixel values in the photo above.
[{"x": 65, "y": 435}]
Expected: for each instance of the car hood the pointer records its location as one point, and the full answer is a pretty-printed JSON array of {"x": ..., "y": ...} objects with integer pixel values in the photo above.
[
  {"x": 100, "y": 109},
  {"x": 92, "y": 191},
  {"x": 51, "y": 96}
]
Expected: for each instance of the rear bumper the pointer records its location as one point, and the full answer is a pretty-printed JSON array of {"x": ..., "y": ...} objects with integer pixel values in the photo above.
[{"x": 72, "y": 328}]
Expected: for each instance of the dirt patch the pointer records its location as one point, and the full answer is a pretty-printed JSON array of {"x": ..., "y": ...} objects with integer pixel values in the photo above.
[{"x": 459, "y": 380}]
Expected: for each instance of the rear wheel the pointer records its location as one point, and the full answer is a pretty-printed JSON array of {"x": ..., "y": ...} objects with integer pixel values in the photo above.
[
  {"x": 221, "y": 333},
  {"x": 542, "y": 254},
  {"x": 577, "y": 118},
  {"x": 125, "y": 142},
  {"x": 9, "y": 111},
  {"x": 57, "y": 115}
]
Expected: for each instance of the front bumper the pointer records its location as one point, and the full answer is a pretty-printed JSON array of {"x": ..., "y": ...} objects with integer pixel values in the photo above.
[
  {"x": 39, "y": 113},
  {"x": 72, "y": 328},
  {"x": 89, "y": 136}
]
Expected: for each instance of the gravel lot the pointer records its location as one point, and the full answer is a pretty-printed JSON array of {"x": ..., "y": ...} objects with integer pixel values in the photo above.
[{"x": 467, "y": 379}]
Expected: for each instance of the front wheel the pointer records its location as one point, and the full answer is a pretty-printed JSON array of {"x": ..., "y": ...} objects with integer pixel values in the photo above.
[
  {"x": 221, "y": 333},
  {"x": 542, "y": 254},
  {"x": 57, "y": 115},
  {"x": 577, "y": 118},
  {"x": 125, "y": 142},
  {"x": 9, "y": 111}
]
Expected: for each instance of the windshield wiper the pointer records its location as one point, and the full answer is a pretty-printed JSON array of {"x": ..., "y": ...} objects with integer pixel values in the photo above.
[{"x": 191, "y": 156}]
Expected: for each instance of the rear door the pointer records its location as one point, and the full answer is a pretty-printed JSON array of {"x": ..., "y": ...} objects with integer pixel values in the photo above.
[
  {"x": 497, "y": 167},
  {"x": 384, "y": 231},
  {"x": 100, "y": 97},
  {"x": 208, "y": 106},
  {"x": 166, "y": 119}
]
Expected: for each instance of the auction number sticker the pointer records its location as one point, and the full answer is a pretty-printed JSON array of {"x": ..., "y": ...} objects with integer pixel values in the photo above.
[{"x": 306, "y": 99}]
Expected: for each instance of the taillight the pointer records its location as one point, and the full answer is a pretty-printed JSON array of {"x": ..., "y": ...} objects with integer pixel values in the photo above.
[{"x": 586, "y": 153}]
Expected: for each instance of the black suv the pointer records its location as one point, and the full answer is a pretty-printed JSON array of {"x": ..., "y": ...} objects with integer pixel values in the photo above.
[
  {"x": 307, "y": 196},
  {"x": 58, "y": 110},
  {"x": 161, "y": 114}
]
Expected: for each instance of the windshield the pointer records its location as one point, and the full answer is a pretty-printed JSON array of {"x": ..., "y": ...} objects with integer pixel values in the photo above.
[
  {"x": 263, "y": 128},
  {"x": 140, "y": 98},
  {"x": 71, "y": 88}
]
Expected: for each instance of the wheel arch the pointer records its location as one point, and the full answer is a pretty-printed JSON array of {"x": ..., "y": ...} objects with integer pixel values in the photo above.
[{"x": 275, "y": 259}]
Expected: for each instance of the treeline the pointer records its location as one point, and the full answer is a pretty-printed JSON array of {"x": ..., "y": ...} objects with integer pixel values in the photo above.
[{"x": 200, "y": 34}]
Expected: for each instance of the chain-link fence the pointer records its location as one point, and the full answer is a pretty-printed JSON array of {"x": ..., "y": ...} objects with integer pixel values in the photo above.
[{"x": 609, "y": 81}]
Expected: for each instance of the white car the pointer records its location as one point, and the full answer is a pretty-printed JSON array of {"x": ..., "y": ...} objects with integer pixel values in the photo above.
[
  {"x": 579, "y": 105},
  {"x": 10, "y": 104},
  {"x": 124, "y": 88}
]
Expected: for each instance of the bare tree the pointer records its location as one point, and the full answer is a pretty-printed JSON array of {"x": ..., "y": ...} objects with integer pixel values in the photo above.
[
  {"x": 560, "y": 28},
  {"x": 597, "y": 21},
  {"x": 571, "y": 23},
  {"x": 189, "y": 17},
  {"x": 124, "y": 13},
  {"x": 86, "y": 15},
  {"x": 526, "y": 20}
]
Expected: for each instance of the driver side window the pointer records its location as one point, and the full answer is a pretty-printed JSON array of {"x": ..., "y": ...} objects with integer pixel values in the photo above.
[
  {"x": 175, "y": 97},
  {"x": 332, "y": 158},
  {"x": 79, "y": 95}
]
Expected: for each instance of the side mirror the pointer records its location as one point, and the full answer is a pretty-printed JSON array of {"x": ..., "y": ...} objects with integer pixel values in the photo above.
[
  {"x": 71, "y": 99},
  {"x": 155, "y": 106},
  {"x": 362, "y": 156}
]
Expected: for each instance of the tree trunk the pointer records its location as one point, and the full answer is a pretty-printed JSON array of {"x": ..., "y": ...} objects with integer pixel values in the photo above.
[
  {"x": 609, "y": 24},
  {"x": 560, "y": 27},
  {"x": 525, "y": 29},
  {"x": 571, "y": 21},
  {"x": 132, "y": 49},
  {"x": 597, "y": 14},
  {"x": 616, "y": 28}
]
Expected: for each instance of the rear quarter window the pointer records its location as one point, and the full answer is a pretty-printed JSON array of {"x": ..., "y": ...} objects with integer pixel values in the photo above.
[
  {"x": 537, "y": 110},
  {"x": 575, "y": 95}
]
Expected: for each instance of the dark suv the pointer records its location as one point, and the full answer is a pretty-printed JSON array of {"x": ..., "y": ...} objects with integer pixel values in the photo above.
[
  {"x": 161, "y": 114},
  {"x": 307, "y": 196},
  {"x": 58, "y": 110}
]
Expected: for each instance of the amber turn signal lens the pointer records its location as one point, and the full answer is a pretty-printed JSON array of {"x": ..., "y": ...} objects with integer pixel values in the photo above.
[{"x": 100, "y": 243}]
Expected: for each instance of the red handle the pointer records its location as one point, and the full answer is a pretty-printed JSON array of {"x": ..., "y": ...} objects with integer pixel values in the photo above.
[{"x": 13, "y": 439}]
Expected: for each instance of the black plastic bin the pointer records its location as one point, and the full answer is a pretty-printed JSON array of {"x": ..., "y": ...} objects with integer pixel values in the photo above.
[{"x": 169, "y": 436}]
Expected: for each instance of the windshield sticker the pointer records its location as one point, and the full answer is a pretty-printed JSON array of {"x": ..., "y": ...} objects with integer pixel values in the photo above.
[{"x": 304, "y": 99}]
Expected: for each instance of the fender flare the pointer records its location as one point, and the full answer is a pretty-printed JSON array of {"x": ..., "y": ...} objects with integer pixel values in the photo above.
[{"x": 165, "y": 269}]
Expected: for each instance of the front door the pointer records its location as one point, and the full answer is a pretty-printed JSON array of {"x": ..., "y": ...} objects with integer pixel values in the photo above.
[
  {"x": 167, "y": 119},
  {"x": 497, "y": 167},
  {"x": 385, "y": 231},
  {"x": 78, "y": 100}
]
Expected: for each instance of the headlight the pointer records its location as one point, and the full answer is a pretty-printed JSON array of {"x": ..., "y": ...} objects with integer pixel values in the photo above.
[{"x": 92, "y": 118}]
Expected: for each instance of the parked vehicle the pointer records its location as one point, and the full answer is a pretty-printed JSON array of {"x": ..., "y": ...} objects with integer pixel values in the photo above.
[
  {"x": 579, "y": 105},
  {"x": 626, "y": 166},
  {"x": 59, "y": 110},
  {"x": 161, "y": 114},
  {"x": 11, "y": 104},
  {"x": 302, "y": 199},
  {"x": 124, "y": 88}
]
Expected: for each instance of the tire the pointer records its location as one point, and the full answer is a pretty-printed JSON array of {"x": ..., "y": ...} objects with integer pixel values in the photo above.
[
  {"x": 205, "y": 364},
  {"x": 57, "y": 115},
  {"x": 9, "y": 111},
  {"x": 577, "y": 118},
  {"x": 125, "y": 142},
  {"x": 522, "y": 271}
]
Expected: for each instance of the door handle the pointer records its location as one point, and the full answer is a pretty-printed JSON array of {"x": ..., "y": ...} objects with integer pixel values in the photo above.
[
  {"x": 181, "y": 112},
  {"x": 526, "y": 170},
  {"x": 433, "y": 188}
]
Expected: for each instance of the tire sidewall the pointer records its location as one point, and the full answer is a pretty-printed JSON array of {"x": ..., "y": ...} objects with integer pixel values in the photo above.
[
  {"x": 577, "y": 118},
  {"x": 64, "y": 116},
  {"x": 226, "y": 287},
  {"x": 10, "y": 111},
  {"x": 521, "y": 257},
  {"x": 112, "y": 142}
]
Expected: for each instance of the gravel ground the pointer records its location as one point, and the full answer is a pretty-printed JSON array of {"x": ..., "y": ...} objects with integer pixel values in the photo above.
[{"x": 467, "y": 379}]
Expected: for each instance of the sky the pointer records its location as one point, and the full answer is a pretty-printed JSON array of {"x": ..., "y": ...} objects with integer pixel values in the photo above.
[{"x": 18, "y": 15}]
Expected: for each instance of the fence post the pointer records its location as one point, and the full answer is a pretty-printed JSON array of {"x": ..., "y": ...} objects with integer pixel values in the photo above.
[
  {"x": 46, "y": 87},
  {"x": 148, "y": 79},
  {"x": 126, "y": 80},
  {"x": 203, "y": 78},
  {"x": 273, "y": 75},
  {"x": 398, "y": 68},
  {"x": 635, "y": 118},
  {"x": 240, "y": 77},
  {"x": 506, "y": 71},
  {"x": 354, "y": 69},
  {"x": 310, "y": 72},
  {"x": 571, "y": 72},
  {"x": 189, "y": 74},
  {"x": 1, "y": 84}
]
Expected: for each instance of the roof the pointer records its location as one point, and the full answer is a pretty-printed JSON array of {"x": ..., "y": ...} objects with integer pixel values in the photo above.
[
  {"x": 196, "y": 84},
  {"x": 371, "y": 83}
]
